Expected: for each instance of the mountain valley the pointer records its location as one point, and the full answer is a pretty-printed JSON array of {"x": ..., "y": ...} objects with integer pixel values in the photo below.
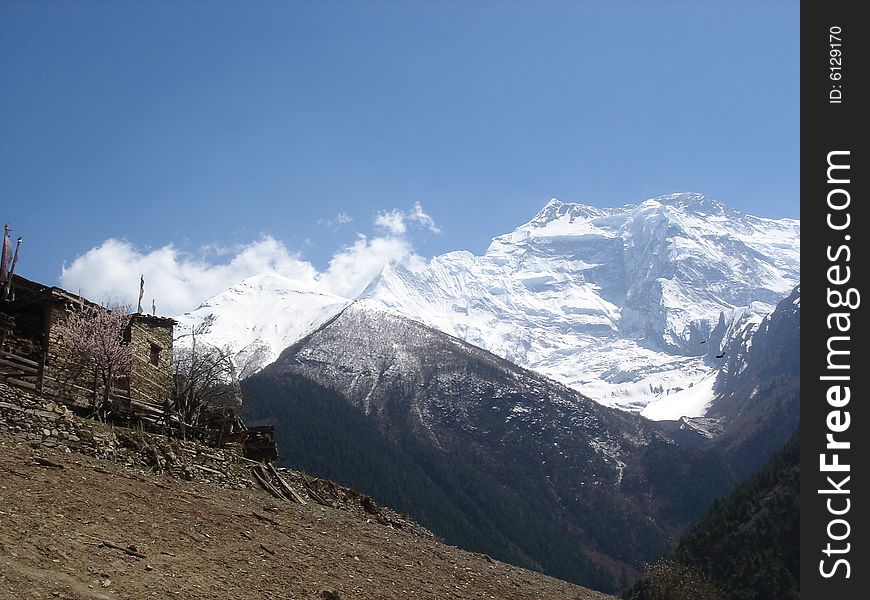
[
  {"x": 570, "y": 401},
  {"x": 494, "y": 457}
]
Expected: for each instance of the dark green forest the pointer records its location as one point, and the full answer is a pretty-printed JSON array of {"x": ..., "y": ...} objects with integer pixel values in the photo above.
[
  {"x": 745, "y": 548},
  {"x": 320, "y": 433}
]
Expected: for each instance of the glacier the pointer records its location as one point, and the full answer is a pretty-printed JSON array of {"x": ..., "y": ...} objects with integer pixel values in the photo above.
[{"x": 632, "y": 306}]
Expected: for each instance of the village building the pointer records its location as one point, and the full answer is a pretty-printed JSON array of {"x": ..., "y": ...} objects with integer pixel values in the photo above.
[{"x": 32, "y": 355}]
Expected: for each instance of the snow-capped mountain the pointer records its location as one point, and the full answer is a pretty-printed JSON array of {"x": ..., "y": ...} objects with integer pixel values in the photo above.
[
  {"x": 631, "y": 306},
  {"x": 755, "y": 404},
  {"x": 757, "y": 400},
  {"x": 258, "y": 318},
  {"x": 516, "y": 457}
]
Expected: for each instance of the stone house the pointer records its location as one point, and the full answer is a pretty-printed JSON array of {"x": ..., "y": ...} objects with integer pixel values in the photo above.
[
  {"x": 32, "y": 356},
  {"x": 151, "y": 371}
]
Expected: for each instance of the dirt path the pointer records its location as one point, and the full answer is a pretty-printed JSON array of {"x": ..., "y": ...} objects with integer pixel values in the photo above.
[{"x": 60, "y": 519}]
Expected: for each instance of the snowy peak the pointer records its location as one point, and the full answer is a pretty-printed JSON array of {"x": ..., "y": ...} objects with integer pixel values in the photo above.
[
  {"x": 559, "y": 218},
  {"x": 275, "y": 289},
  {"x": 259, "y": 317},
  {"x": 558, "y": 211},
  {"x": 697, "y": 204},
  {"x": 629, "y": 305}
]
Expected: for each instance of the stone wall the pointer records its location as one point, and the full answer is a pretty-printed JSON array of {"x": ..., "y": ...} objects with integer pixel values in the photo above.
[
  {"x": 43, "y": 423},
  {"x": 47, "y": 424},
  {"x": 31, "y": 333},
  {"x": 38, "y": 421},
  {"x": 151, "y": 373},
  {"x": 66, "y": 376}
]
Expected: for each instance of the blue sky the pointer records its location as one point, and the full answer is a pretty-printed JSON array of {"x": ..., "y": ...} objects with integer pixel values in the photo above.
[{"x": 181, "y": 135}]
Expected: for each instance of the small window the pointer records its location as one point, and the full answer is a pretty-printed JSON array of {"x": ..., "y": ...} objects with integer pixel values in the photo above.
[{"x": 155, "y": 355}]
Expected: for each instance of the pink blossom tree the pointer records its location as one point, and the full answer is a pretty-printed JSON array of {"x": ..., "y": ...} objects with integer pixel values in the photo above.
[{"x": 93, "y": 335}]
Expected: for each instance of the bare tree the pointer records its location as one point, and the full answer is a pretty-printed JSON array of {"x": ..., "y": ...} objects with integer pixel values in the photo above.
[
  {"x": 671, "y": 580},
  {"x": 251, "y": 358},
  {"x": 94, "y": 336},
  {"x": 205, "y": 377}
]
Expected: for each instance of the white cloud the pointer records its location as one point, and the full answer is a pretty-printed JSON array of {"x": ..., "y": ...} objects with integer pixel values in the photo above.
[
  {"x": 180, "y": 281},
  {"x": 392, "y": 221},
  {"x": 352, "y": 268},
  {"x": 342, "y": 218},
  {"x": 396, "y": 221},
  {"x": 176, "y": 280},
  {"x": 418, "y": 215}
]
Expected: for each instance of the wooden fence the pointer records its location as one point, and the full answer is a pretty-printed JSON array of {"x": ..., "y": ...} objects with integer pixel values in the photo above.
[
  {"x": 31, "y": 375},
  {"x": 21, "y": 371}
]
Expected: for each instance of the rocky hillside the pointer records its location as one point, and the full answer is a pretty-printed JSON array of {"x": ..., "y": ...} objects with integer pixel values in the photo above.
[
  {"x": 120, "y": 514},
  {"x": 491, "y": 456},
  {"x": 757, "y": 401},
  {"x": 756, "y": 393}
]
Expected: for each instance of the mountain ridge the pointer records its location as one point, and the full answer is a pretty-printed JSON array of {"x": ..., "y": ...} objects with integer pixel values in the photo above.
[
  {"x": 647, "y": 294},
  {"x": 541, "y": 475}
]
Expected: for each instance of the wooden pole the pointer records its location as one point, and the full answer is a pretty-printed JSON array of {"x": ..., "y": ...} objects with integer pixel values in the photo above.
[
  {"x": 11, "y": 271},
  {"x": 3, "y": 257},
  {"x": 288, "y": 490},
  {"x": 40, "y": 374}
]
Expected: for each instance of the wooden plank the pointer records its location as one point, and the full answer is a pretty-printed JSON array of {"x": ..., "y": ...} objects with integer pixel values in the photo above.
[
  {"x": 211, "y": 456},
  {"x": 149, "y": 409},
  {"x": 26, "y": 361},
  {"x": 21, "y": 363},
  {"x": 264, "y": 483},
  {"x": 209, "y": 470},
  {"x": 23, "y": 384},
  {"x": 15, "y": 360},
  {"x": 18, "y": 367},
  {"x": 15, "y": 369},
  {"x": 40, "y": 374},
  {"x": 284, "y": 485},
  {"x": 312, "y": 493},
  {"x": 128, "y": 550},
  {"x": 21, "y": 376}
]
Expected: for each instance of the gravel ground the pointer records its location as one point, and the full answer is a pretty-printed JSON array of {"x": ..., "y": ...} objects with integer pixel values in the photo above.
[{"x": 76, "y": 526}]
